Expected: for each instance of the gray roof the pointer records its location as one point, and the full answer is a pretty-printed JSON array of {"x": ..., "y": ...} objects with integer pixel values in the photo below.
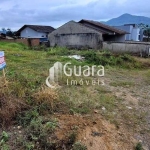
[{"x": 38, "y": 28}]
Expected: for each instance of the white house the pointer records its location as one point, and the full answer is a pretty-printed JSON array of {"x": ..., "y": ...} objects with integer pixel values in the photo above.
[{"x": 35, "y": 31}]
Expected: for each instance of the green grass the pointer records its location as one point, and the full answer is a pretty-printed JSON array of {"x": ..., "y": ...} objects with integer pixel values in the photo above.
[{"x": 27, "y": 71}]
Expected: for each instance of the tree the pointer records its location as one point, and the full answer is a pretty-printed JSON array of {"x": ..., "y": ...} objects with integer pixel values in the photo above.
[
  {"x": 9, "y": 33},
  {"x": 147, "y": 33},
  {"x": 146, "y": 30},
  {"x": 4, "y": 30}
]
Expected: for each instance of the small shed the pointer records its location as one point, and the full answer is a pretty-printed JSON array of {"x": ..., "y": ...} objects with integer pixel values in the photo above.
[{"x": 76, "y": 35}]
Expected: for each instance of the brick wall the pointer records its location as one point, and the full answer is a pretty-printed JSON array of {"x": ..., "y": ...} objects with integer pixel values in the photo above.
[
  {"x": 34, "y": 42},
  {"x": 28, "y": 42}
]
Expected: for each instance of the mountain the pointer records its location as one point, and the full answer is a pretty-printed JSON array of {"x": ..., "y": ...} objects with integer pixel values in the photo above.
[{"x": 128, "y": 19}]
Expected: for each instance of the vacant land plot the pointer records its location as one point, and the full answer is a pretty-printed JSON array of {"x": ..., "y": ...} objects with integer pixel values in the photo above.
[{"x": 112, "y": 116}]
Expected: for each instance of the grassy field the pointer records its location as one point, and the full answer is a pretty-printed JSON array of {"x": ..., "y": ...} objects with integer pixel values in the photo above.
[{"x": 33, "y": 116}]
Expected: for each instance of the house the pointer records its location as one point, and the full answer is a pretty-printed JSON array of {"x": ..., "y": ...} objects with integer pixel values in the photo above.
[
  {"x": 35, "y": 31},
  {"x": 135, "y": 33},
  {"x": 108, "y": 33},
  {"x": 84, "y": 34},
  {"x": 76, "y": 35}
]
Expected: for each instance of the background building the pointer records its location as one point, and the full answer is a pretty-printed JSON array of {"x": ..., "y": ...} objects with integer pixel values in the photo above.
[
  {"x": 35, "y": 31},
  {"x": 134, "y": 32}
]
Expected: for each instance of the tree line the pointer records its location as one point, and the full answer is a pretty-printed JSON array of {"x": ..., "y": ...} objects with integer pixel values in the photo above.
[{"x": 9, "y": 32}]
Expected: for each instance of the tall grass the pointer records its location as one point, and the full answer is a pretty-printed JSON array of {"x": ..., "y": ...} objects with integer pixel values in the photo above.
[{"x": 109, "y": 59}]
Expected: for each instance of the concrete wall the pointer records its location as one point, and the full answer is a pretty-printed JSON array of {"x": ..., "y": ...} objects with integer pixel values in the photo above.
[
  {"x": 75, "y": 35},
  {"x": 30, "y": 33},
  {"x": 78, "y": 41},
  {"x": 128, "y": 47}
]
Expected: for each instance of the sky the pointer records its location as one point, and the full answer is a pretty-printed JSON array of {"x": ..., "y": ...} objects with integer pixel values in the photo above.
[{"x": 16, "y": 13}]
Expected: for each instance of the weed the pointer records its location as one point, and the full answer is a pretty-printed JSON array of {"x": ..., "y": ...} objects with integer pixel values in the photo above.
[
  {"x": 4, "y": 147},
  {"x": 79, "y": 146},
  {"x": 40, "y": 131},
  {"x": 139, "y": 147},
  {"x": 3, "y": 139},
  {"x": 72, "y": 138},
  {"x": 29, "y": 146},
  {"x": 26, "y": 117}
]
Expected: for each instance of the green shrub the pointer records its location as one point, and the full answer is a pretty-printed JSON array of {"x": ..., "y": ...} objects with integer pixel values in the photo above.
[
  {"x": 3, "y": 139},
  {"x": 72, "y": 138},
  {"x": 25, "y": 118},
  {"x": 40, "y": 131},
  {"x": 107, "y": 58},
  {"x": 139, "y": 147}
]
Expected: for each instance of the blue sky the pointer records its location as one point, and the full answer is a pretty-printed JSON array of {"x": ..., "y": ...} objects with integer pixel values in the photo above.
[{"x": 15, "y": 13}]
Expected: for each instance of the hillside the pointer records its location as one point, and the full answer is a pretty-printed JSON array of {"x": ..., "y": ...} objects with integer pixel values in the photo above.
[{"x": 128, "y": 19}]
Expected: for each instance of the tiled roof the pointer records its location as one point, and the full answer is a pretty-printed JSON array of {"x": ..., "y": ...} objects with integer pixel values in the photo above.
[{"x": 102, "y": 26}]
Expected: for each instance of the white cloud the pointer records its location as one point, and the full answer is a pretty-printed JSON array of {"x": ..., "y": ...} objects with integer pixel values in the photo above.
[{"x": 16, "y": 13}]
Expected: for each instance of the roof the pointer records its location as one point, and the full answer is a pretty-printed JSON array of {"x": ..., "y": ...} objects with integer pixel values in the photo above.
[
  {"x": 105, "y": 29},
  {"x": 73, "y": 27},
  {"x": 38, "y": 28}
]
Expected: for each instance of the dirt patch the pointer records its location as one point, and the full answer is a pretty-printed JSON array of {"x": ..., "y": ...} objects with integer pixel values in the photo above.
[{"x": 94, "y": 132}]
